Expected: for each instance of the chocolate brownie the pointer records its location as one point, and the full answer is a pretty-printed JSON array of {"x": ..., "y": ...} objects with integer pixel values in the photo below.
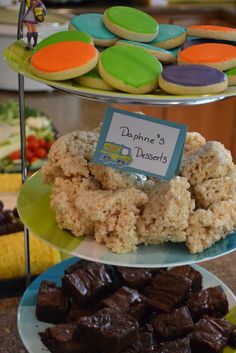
[
  {"x": 145, "y": 342},
  {"x": 136, "y": 277},
  {"x": 210, "y": 335},
  {"x": 108, "y": 329},
  {"x": 182, "y": 345},
  {"x": 167, "y": 292},
  {"x": 83, "y": 284},
  {"x": 191, "y": 274},
  {"x": 176, "y": 324},
  {"x": 52, "y": 304},
  {"x": 127, "y": 300},
  {"x": 60, "y": 339},
  {"x": 211, "y": 301}
]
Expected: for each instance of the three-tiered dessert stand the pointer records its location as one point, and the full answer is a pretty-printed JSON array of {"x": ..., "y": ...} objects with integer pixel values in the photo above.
[{"x": 34, "y": 209}]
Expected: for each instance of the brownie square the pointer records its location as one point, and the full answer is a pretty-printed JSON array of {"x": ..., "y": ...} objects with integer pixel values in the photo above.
[
  {"x": 108, "y": 329},
  {"x": 87, "y": 282},
  {"x": 60, "y": 339},
  {"x": 191, "y": 274},
  {"x": 182, "y": 345},
  {"x": 211, "y": 301},
  {"x": 134, "y": 277},
  {"x": 210, "y": 335},
  {"x": 167, "y": 292},
  {"x": 51, "y": 304},
  {"x": 176, "y": 324},
  {"x": 127, "y": 300},
  {"x": 145, "y": 342}
]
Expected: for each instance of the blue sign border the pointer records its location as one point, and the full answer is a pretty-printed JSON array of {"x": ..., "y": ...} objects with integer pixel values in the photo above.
[{"x": 176, "y": 158}]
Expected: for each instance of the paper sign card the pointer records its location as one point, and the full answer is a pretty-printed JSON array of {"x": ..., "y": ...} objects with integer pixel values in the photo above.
[{"x": 141, "y": 144}]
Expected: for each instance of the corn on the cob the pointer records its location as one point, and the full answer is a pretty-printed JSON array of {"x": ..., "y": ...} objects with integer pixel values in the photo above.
[
  {"x": 12, "y": 260},
  {"x": 10, "y": 182}
]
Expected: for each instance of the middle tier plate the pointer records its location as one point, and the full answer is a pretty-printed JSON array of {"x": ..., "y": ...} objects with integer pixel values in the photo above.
[{"x": 34, "y": 210}]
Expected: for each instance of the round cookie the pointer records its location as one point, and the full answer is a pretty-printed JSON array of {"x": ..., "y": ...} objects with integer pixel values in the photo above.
[
  {"x": 231, "y": 74},
  {"x": 196, "y": 41},
  {"x": 214, "y": 32},
  {"x": 92, "y": 79},
  {"x": 119, "y": 67},
  {"x": 163, "y": 55},
  {"x": 63, "y": 36},
  {"x": 219, "y": 56},
  {"x": 169, "y": 36},
  {"x": 92, "y": 23},
  {"x": 130, "y": 23},
  {"x": 64, "y": 60},
  {"x": 192, "y": 79}
]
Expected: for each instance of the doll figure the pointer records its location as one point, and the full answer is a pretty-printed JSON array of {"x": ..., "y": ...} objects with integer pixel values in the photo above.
[{"x": 34, "y": 14}]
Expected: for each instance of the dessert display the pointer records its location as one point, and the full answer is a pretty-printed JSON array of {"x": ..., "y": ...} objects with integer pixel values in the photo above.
[
  {"x": 158, "y": 316},
  {"x": 122, "y": 210},
  {"x": 152, "y": 43}
]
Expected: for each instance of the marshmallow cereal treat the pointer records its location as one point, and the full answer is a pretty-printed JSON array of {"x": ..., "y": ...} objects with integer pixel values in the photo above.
[
  {"x": 166, "y": 213},
  {"x": 193, "y": 141},
  {"x": 114, "y": 215},
  {"x": 211, "y": 160},
  {"x": 214, "y": 190},
  {"x": 69, "y": 155},
  {"x": 208, "y": 226}
]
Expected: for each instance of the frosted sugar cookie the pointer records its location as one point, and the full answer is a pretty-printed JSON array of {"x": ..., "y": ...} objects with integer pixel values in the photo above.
[
  {"x": 219, "y": 56},
  {"x": 192, "y": 79},
  {"x": 215, "y": 32},
  {"x": 64, "y": 36},
  {"x": 169, "y": 36},
  {"x": 92, "y": 79},
  {"x": 195, "y": 41},
  {"x": 163, "y": 55},
  {"x": 130, "y": 69},
  {"x": 231, "y": 74},
  {"x": 64, "y": 60},
  {"x": 92, "y": 23},
  {"x": 130, "y": 23}
]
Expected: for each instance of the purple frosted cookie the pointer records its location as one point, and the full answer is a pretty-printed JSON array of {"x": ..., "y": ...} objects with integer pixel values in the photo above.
[{"x": 192, "y": 79}]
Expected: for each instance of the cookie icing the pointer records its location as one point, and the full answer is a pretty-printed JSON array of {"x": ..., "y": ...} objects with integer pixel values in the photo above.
[
  {"x": 58, "y": 56},
  {"x": 167, "y": 32},
  {"x": 131, "y": 19},
  {"x": 192, "y": 75},
  {"x": 231, "y": 72},
  {"x": 196, "y": 41},
  {"x": 92, "y": 24},
  {"x": 213, "y": 28},
  {"x": 63, "y": 36},
  {"x": 144, "y": 45},
  {"x": 208, "y": 53},
  {"x": 132, "y": 65}
]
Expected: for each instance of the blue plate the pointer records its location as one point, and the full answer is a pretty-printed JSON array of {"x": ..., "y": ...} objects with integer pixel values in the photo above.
[{"x": 29, "y": 327}]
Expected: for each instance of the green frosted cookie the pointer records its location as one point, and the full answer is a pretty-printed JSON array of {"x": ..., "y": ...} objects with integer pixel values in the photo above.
[
  {"x": 130, "y": 23},
  {"x": 231, "y": 74},
  {"x": 129, "y": 68},
  {"x": 92, "y": 79},
  {"x": 64, "y": 36}
]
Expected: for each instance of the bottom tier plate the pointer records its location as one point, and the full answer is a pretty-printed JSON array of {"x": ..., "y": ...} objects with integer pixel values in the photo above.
[{"x": 29, "y": 327}]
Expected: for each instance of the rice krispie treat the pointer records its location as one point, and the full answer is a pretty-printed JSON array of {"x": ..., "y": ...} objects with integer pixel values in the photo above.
[
  {"x": 214, "y": 190},
  {"x": 208, "y": 226},
  {"x": 114, "y": 215},
  {"x": 193, "y": 141},
  {"x": 62, "y": 201},
  {"x": 69, "y": 155},
  {"x": 166, "y": 213},
  {"x": 211, "y": 160}
]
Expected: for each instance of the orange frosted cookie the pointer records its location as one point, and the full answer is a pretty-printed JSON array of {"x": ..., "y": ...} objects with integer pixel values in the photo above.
[
  {"x": 64, "y": 60},
  {"x": 215, "y": 32},
  {"x": 220, "y": 56}
]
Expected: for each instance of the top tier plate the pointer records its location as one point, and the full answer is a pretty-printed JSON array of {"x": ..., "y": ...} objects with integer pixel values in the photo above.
[{"x": 18, "y": 58}]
